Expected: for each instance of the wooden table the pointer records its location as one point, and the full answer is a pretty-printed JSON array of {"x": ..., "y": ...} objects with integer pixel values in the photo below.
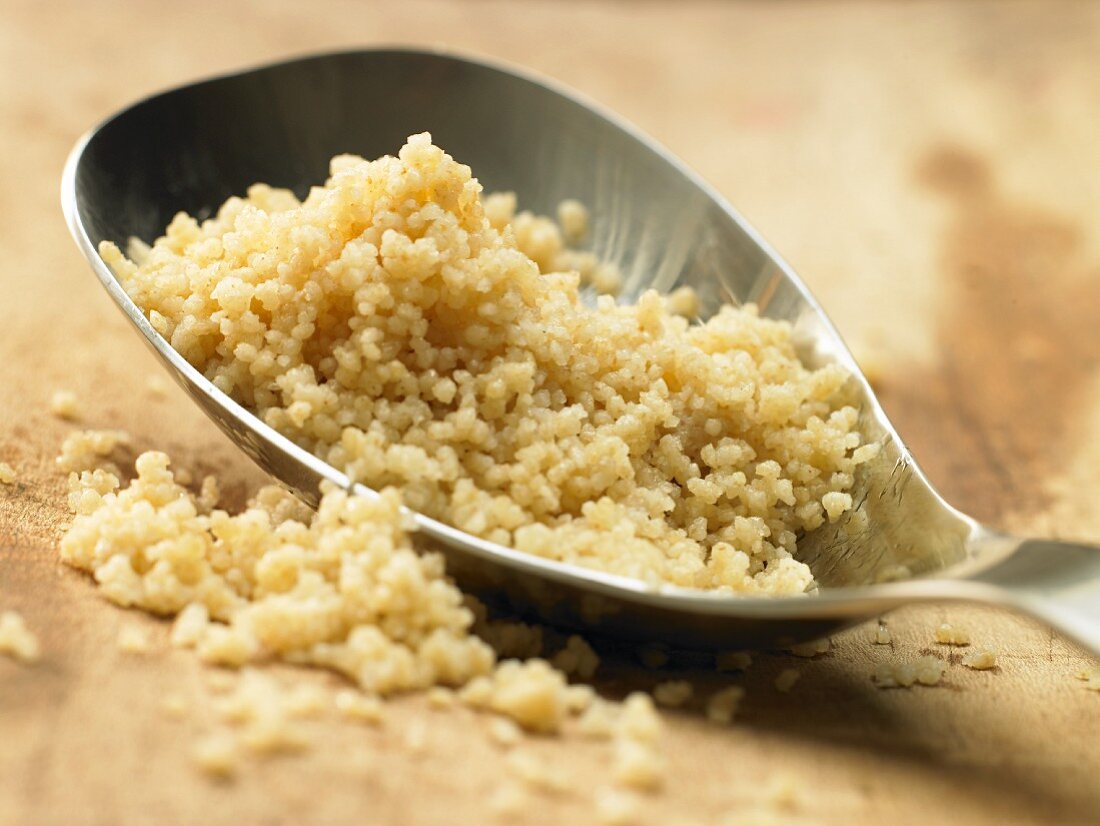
[{"x": 930, "y": 168}]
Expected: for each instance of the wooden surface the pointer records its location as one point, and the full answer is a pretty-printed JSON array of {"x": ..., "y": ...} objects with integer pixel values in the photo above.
[{"x": 930, "y": 169}]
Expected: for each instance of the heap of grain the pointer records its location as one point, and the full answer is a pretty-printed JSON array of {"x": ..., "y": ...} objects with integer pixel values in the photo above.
[{"x": 417, "y": 336}]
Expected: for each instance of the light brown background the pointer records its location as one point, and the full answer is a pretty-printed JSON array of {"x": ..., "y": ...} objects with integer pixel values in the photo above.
[{"x": 931, "y": 170}]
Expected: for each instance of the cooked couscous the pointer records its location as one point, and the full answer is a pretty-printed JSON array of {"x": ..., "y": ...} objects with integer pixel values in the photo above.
[
  {"x": 134, "y": 640},
  {"x": 786, "y": 679},
  {"x": 16, "y": 639},
  {"x": 346, "y": 591},
  {"x": 64, "y": 405},
  {"x": 434, "y": 345},
  {"x": 948, "y": 634},
  {"x": 341, "y": 588},
  {"x": 673, "y": 693},
  {"x": 927, "y": 670},
  {"x": 418, "y": 336},
  {"x": 86, "y": 450},
  {"x": 982, "y": 659},
  {"x": 733, "y": 661},
  {"x": 722, "y": 705},
  {"x": 637, "y": 759},
  {"x": 811, "y": 649}
]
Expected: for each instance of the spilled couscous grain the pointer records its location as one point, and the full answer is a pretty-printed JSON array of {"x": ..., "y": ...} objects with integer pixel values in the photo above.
[
  {"x": 982, "y": 659},
  {"x": 344, "y": 589},
  {"x": 786, "y": 679},
  {"x": 419, "y": 336},
  {"x": 16, "y": 639},
  {"x": 64, "y": 404},
  {"x": 722, "y": 705},
  {"x": 948, "y": 634},
  {"x": 926, "y": 671}
]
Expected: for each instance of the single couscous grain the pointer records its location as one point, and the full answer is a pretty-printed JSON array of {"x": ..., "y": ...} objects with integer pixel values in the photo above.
[
  {"x": 981, "y": 659},
  {"x": 217, "y": 755},
  {"x": 811, "y": 649},
  {"x": 786, "y": 679},
  {"x": 63, "y": 404},
  {"x": 363, "y": 708},
  {"x": 673, "y": 693},
  {"x": 948, "y": 634},
  {"x": 504, "y": 732},
  {"x": 722, "y": 705},
  {"x": 577, "y": 658},
  {"x": 733, "y": 661},
  {"x": 637, "y": 760},
  {"x": 134, "y": 640},
  {"x": 927, "y": 671},
  {"x": 16, "y": 639},
  {"x": 616, "y": 807}
]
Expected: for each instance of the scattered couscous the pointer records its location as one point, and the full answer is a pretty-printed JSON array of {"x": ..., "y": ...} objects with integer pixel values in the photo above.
[
  {"x": 346, "y": 591},
  {"x": 341, "y": 588}
]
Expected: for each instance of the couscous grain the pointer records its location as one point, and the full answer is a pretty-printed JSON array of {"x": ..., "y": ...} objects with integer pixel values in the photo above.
[
  {"x": 927, "y": 671},
  {"x": 981, "y": 659},
  {"x": 786, "y": 679},
  {"x": 733, "y": 661},
  {"x": 722, "y": 705},
  {"x": 673, "y": 693},
  {"x": 16, "y": 639},
  {"x": 948, "y": 634},
  {"x": 134, "y": 640},
  {"x": 64, "y": 405}
]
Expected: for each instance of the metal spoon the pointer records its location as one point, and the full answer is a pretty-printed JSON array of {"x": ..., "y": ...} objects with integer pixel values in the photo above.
[{"x": 193, "y": 147}]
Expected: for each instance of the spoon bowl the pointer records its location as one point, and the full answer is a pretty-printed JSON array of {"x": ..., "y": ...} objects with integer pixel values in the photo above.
[{"x": 190, "y": 148}]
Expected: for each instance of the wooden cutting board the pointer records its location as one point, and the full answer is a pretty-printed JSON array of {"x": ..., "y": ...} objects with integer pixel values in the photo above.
[{"x": 930, "y": 168}]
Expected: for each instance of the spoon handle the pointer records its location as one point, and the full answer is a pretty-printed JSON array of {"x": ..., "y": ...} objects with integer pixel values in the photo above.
[{"x": 1056, "y": 581}]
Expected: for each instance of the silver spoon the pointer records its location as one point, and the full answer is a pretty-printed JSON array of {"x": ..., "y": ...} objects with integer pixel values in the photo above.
[{"x": 192, "y": 147}]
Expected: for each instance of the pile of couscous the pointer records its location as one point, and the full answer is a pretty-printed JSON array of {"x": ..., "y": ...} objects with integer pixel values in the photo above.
[
  {"x": 419, "y": 336},
  {"x": 342, "y": 588}
]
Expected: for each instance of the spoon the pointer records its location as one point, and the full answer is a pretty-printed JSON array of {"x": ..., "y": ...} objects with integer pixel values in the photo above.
[{"x": 191, "y": 148}]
